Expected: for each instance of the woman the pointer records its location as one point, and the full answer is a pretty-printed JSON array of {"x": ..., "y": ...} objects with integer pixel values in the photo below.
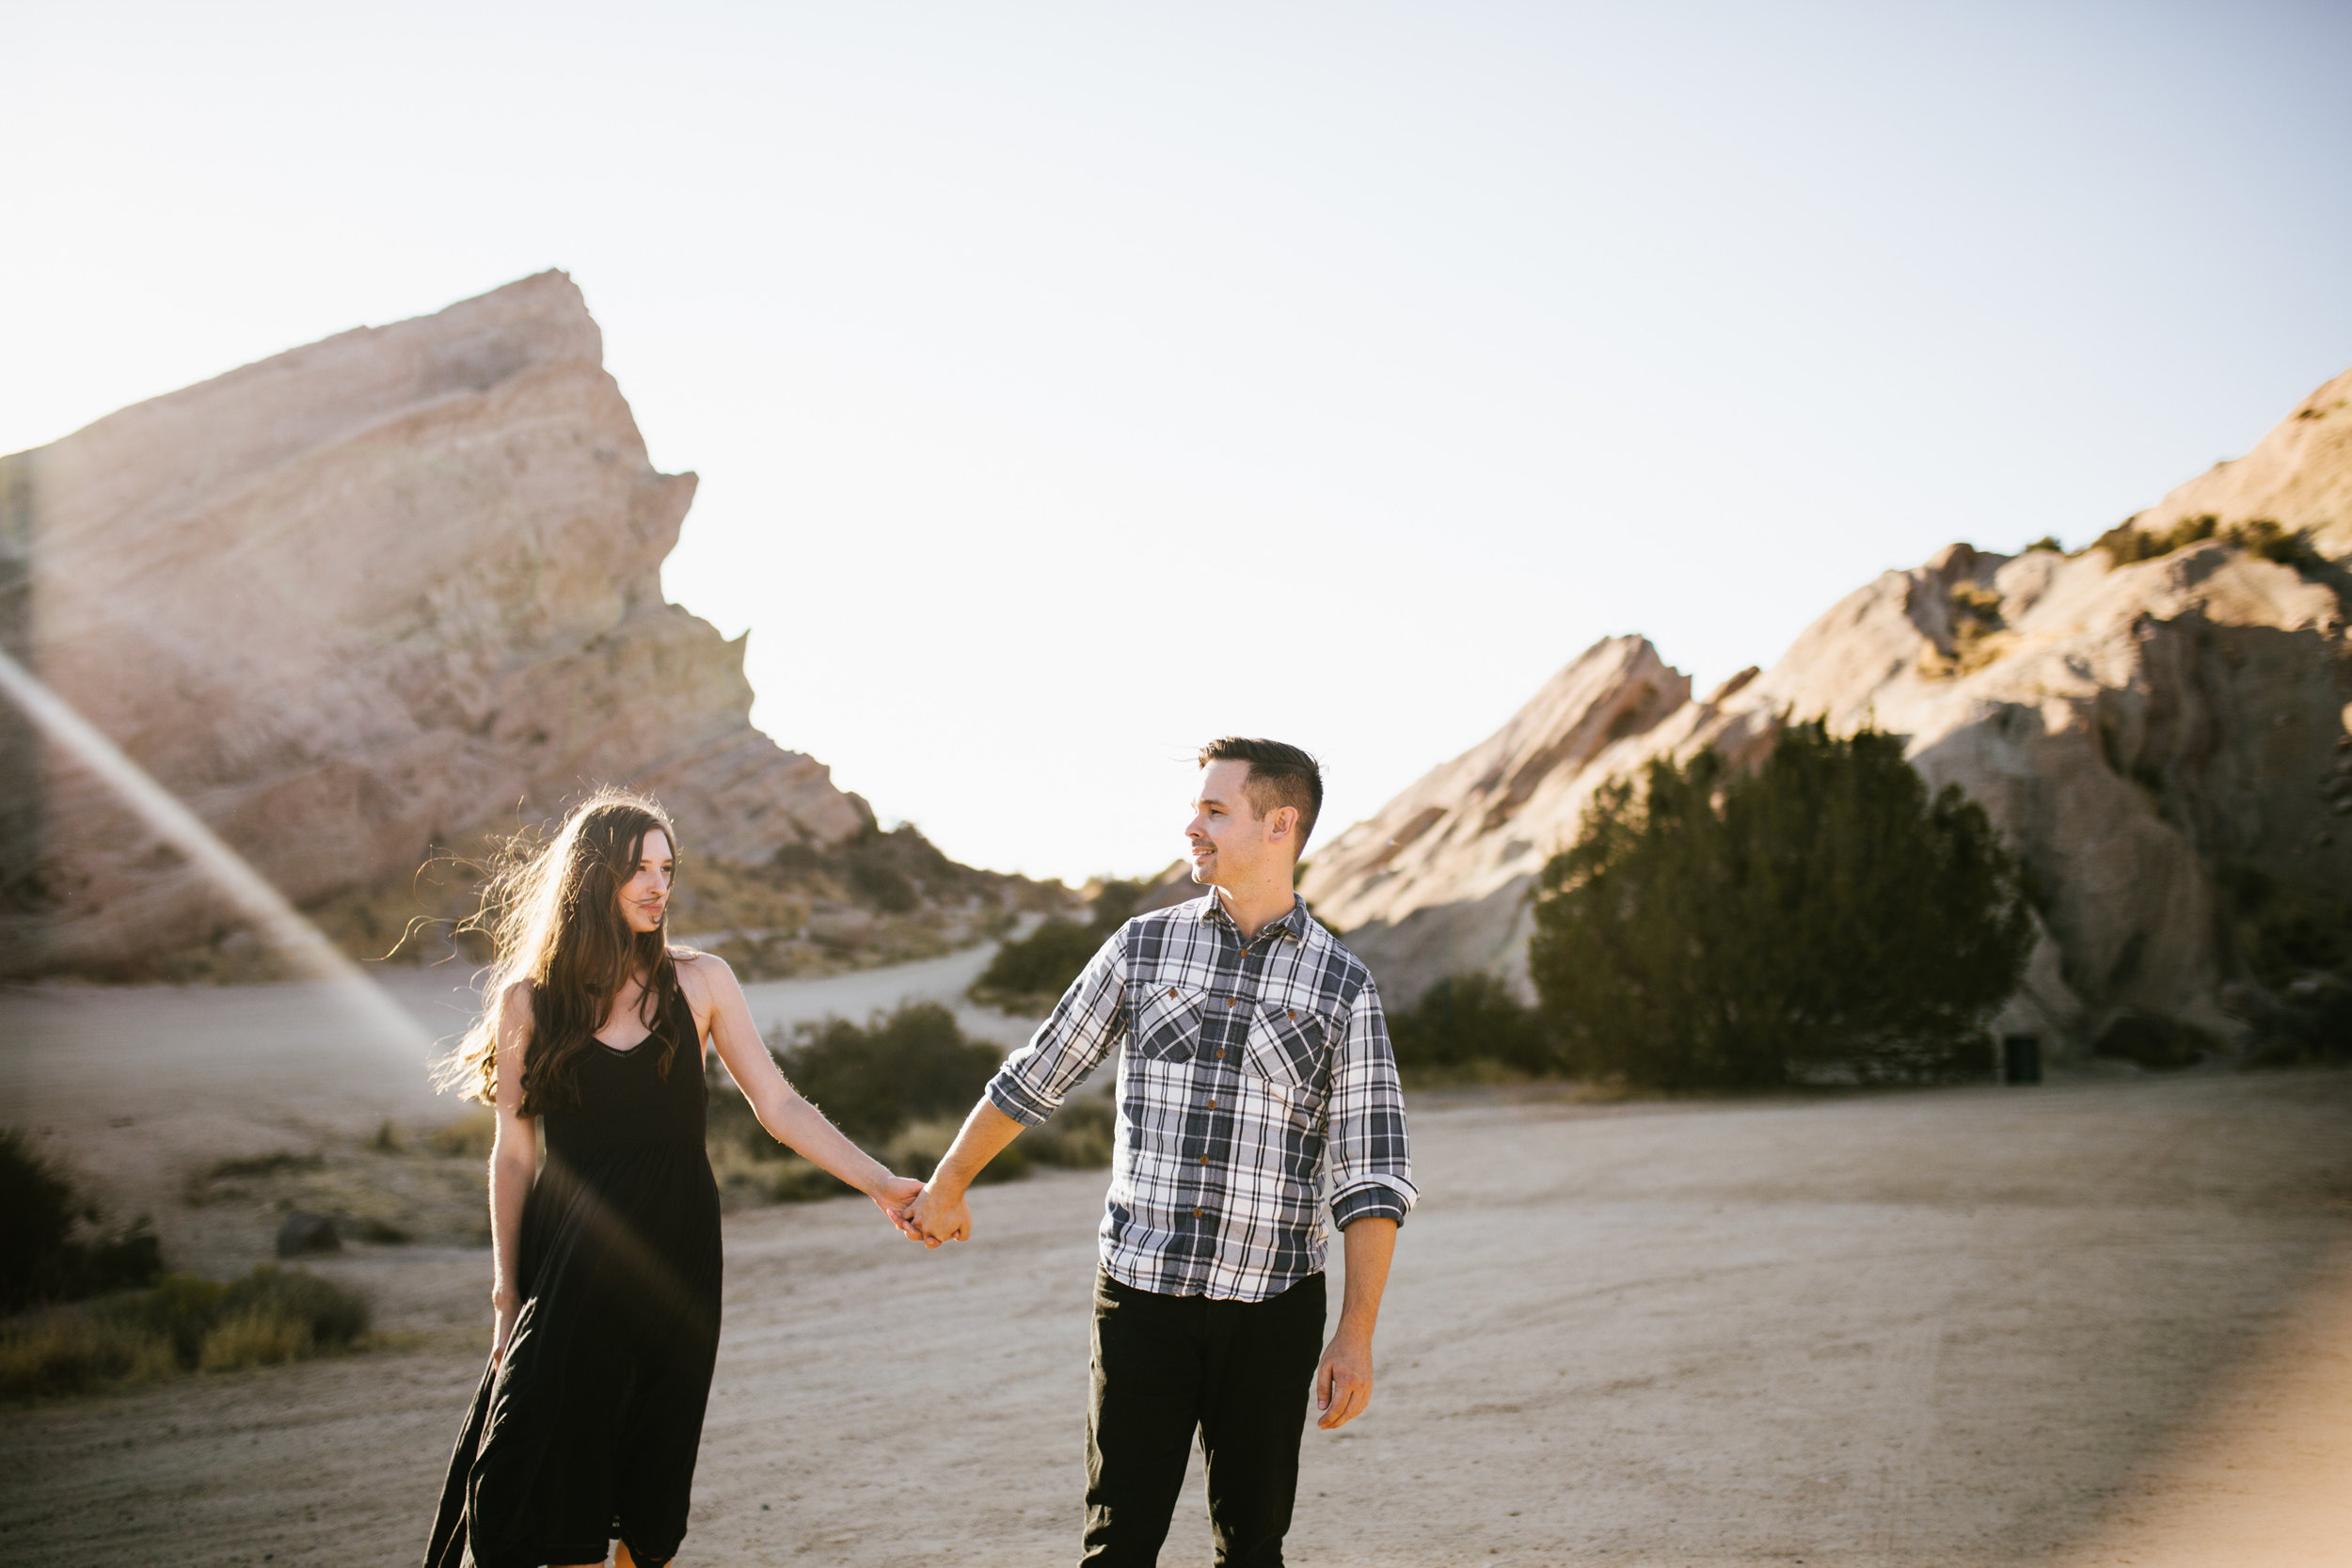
[{"x": 606, "y": 1286}]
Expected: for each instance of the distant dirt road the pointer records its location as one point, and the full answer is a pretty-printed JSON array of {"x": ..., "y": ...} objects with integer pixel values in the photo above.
[{"x": 2095, "y": 1323}]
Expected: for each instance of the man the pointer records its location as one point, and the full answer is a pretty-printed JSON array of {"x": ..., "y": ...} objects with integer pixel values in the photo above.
[{"x": 1256, "y": 1054}]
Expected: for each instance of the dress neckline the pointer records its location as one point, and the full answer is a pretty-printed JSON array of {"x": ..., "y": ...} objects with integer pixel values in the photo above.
[{"x": 639, "y": 1043}]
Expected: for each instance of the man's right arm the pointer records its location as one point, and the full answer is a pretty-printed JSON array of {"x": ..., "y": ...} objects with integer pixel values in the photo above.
[{"x": 1090, "y": 1020}]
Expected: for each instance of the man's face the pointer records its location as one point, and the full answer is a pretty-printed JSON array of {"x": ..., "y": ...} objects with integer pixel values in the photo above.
[{"x": 1232, "y": 846}]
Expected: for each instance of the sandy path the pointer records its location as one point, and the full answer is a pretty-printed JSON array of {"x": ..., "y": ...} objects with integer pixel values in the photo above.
[{"x": 1951, "y": 1328}]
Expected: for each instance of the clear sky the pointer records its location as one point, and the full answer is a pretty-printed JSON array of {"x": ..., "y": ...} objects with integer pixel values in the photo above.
[{"x": 1070, "y": 384}]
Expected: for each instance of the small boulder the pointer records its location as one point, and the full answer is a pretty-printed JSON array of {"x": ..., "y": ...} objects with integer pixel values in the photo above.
[{"x": 304, "y": 1233}]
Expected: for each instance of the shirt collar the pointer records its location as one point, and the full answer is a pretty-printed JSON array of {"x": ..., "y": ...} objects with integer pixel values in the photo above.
[{"x": 1292, "y": 923}]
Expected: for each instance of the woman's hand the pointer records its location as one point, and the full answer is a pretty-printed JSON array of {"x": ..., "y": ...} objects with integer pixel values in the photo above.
[
  {"x": 507, "y": 1309},
  {"x": 895, "y": 1195}
]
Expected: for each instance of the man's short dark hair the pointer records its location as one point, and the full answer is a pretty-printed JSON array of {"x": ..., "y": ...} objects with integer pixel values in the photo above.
[{"x": 1278, "y": 776}]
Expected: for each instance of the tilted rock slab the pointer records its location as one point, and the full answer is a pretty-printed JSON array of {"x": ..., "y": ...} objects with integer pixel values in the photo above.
[
  {"x": 353, "y": 601},
  {"x": 2132, "y": 730}
]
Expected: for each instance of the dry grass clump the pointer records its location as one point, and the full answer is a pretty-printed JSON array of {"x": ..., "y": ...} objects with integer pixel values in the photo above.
[
  {"x": 1979, "y": 635},
  {"x": 183, "y": 1324},
  {"x": 63, "y": 1353}
]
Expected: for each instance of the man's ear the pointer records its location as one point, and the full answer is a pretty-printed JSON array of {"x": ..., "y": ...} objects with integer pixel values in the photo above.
[{"x": 1281, "y": 824}]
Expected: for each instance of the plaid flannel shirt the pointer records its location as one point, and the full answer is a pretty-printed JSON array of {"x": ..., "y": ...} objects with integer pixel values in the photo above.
[{"x": 1245, "y": 1065}]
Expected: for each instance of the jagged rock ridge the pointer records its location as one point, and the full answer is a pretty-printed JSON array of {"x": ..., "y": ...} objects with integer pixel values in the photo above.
[
  {"x": 359, "y": 599},
  {"x": 2143, "y": 734}
]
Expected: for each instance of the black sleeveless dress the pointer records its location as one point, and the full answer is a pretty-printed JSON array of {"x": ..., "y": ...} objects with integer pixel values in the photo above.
[{"x": 587, "y": 1431}]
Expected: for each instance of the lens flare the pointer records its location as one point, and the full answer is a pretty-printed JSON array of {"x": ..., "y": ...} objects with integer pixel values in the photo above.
[{"x": 277, "y": 922}]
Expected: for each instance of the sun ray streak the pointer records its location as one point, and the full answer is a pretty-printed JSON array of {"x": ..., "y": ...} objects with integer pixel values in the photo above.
[{"x": 277, "y": 922}]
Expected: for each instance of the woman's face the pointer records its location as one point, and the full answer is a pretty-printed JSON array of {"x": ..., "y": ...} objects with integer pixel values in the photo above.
[{"x": 647, "y": 894}]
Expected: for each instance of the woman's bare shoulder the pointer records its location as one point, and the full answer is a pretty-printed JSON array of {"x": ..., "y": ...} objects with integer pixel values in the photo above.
[
  {"x": 698, "y": 968},
  {"x": 518, "y": 996}
]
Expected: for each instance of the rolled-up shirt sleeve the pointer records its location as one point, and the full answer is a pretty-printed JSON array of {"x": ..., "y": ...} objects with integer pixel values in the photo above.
[
  {"x": 1371, "y": 1168},
  {"x": 1087, "y": 1024}
]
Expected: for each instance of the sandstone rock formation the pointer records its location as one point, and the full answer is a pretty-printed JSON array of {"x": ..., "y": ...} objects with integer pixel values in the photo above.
[
  {"x": 2146, "y": 734},
  {"x": 359, "y": 599}
]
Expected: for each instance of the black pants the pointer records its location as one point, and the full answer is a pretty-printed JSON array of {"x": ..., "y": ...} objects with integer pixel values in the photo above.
[{"x": 1238, "y": 1371}]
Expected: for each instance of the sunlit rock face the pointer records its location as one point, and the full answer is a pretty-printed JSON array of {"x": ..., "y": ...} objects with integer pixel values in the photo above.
[
  {"x": 2138, "y": 732},
  {"x": 358, "y": 599}
]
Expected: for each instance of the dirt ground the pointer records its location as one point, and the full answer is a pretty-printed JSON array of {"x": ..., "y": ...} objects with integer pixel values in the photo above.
[{"x": 2100, "y": 1322}]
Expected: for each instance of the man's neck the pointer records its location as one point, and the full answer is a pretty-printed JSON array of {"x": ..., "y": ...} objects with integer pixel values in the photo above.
[{"x": 1255, "y": 908}]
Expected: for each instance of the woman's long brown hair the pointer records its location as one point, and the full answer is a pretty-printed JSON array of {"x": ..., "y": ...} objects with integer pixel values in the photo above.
[{"x": 553, "y": 915}]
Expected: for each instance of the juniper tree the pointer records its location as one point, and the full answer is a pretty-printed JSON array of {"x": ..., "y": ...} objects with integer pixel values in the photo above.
[{"x": 1715, "y": 928}]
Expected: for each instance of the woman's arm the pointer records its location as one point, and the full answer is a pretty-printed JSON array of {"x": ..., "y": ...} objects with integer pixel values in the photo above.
[
  {"x": 514, "y": 1164},
  {"x": 793, "y": 1121}
]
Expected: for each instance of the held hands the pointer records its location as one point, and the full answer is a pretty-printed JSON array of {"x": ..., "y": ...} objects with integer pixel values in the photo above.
[
  {"x": 1342, "y": 1379},
  {"x": 894, "y": 1197},
  {"x": 939, "y": 1215}
]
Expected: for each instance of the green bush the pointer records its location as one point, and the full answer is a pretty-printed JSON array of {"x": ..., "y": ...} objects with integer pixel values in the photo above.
[
  {"x": 41, "y": 1257},
  {"x": 1076, "y": 1137},
  {"x": 1029, "y": 976},
  {"x": 1821, "y": 914},
  {"x": 1467, "y": 1020},
  {"x": 2048, "y": 541},
  {"x": 184, "y": 1323},
  {"x": 898, "y": 1067}
]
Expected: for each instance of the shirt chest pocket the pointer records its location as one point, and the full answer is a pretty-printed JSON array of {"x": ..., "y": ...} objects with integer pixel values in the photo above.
[
  {"x": 1291, "y": 1048},
  {"x": 1164, "y": 1021}
]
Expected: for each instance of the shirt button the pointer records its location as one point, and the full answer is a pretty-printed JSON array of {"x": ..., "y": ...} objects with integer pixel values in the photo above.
[
  {"x": 1233, "y": 1001},
  {"x": 1172, "y": 991},
  {"x": 1204, "y": 1158},
  {"x": 1294, "y": 1012},
  {"x": 1211, "y": 1104},
  {"x": 1220, "y": 1052},
  {"x": 1196, "y": 1210}
]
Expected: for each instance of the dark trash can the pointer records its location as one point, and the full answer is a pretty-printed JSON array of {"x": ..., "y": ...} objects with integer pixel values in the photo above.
[{"x": 2021, "y": 1059}]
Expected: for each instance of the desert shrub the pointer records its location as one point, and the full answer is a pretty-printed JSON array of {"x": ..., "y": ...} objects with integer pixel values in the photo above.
[
  {"x": 180, "y": 1310},
  {"x": 333, "y": 1315},
  {"x": 1030, "y": 975},
  {"x": 2124, "y": 543},
  {"x": 1039, "y": 966},
  {"x": 69, "y": 1351},
  {"x": 2266, "y": 539},
  {"x": 1467, "y": 1019},
  {"x": 795, "y": 1181},
  {"x": 184, "y": 1323},
  {"x": 2047, "y": 541},
  {"x": 43, "y": 1254},
  {"x": 1821, "y": 914},
  {"x": 1076, "y": 1137},
  {"x": 896, "y": 1068},
  {"x": 258, "y": 1336}
]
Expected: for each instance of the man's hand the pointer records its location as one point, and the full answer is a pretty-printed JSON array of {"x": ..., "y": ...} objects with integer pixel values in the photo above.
[
  {"x": 1343, "y": 1379},
  {"x": 894, "y": 1197},
  {"x": 1343, "y": 1376},
  {"x": 939, "y": 1215}
]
